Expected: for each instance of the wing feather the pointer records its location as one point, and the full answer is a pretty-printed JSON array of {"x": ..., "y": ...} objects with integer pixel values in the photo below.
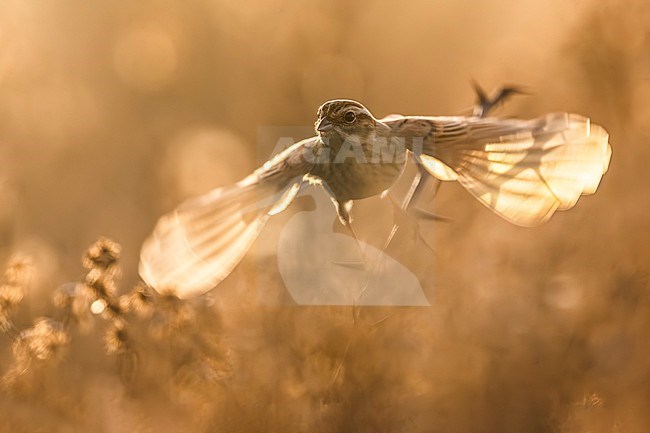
[
  {"x": 523, "y": 170},
  {"x": 197, "y": 245}
]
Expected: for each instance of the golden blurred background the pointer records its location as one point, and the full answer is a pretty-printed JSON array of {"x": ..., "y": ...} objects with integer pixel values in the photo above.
[{"x": 113, "y": 111}]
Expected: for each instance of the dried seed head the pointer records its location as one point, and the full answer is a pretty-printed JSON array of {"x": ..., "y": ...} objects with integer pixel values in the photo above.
[
  {"x": 10, "y": 295},
  {"x": 592, "y": 401},
  {"x": 99, "y": 284},
  {"x": 12, "y": 291},
  {"x": 141, "y": 301},
  {"x": 177, "y": 312},
  {"x": 112, "y": 310},
  {"x": 116, "y": 337},
  {"x": 6, "y": 323},
  {"x": 171, "y": 315},
  {"x": 103, "y": 254},
  {"x": 42, "y": 341},
  {"x": 19, "y": 270}
]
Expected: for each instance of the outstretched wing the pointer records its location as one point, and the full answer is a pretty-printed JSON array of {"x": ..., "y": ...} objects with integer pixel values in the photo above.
[
  {"x": 194, "y": 247},
  {"x": 524, "y": 170}
]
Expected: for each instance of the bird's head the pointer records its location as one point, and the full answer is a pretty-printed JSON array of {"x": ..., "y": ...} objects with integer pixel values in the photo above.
[{"x": 344, "y": 117}]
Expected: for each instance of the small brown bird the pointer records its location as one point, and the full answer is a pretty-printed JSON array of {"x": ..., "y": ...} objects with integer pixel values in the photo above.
[{"x": 524, "y": 170}]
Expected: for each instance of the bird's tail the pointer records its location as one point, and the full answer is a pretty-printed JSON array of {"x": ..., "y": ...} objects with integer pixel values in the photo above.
[
  {"x": 526, "y": 170},
  {"x": 197, "y": 245}
]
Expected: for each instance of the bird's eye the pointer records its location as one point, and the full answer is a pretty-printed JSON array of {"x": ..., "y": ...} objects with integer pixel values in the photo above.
[{"x": 350, "y": 116}]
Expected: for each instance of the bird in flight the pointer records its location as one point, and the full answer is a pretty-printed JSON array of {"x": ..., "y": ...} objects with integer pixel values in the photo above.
[{"x": 523, "y": 170}]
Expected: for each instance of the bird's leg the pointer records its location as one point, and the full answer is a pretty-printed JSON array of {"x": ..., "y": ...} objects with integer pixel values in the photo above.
[
  {"x": 418, "y": 183},
  {"x": 403, "y": 214},
  {"x": 425, "y": 214},
  {"x": 415, "y": 190},
  {"x": 343, "y": 210}
]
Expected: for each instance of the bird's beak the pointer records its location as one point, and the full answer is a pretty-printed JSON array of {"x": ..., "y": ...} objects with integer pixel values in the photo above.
[{"x": 324, "y": 125}]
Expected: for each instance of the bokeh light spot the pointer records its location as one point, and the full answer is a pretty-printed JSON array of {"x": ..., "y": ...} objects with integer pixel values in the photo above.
[
  {"x": 146, "y": 57},
  {"x": 98, "y": 306},
  {"x": 202, "y": 158}
]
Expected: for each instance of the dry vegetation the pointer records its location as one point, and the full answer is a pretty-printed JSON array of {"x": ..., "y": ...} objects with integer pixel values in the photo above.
[{"x": 114, "y": 111}]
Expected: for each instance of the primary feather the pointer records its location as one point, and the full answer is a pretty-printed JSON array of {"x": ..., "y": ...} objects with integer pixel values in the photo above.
[
  {"x": 194, "y": 247},
  {"x": 524, "y": 170}
]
